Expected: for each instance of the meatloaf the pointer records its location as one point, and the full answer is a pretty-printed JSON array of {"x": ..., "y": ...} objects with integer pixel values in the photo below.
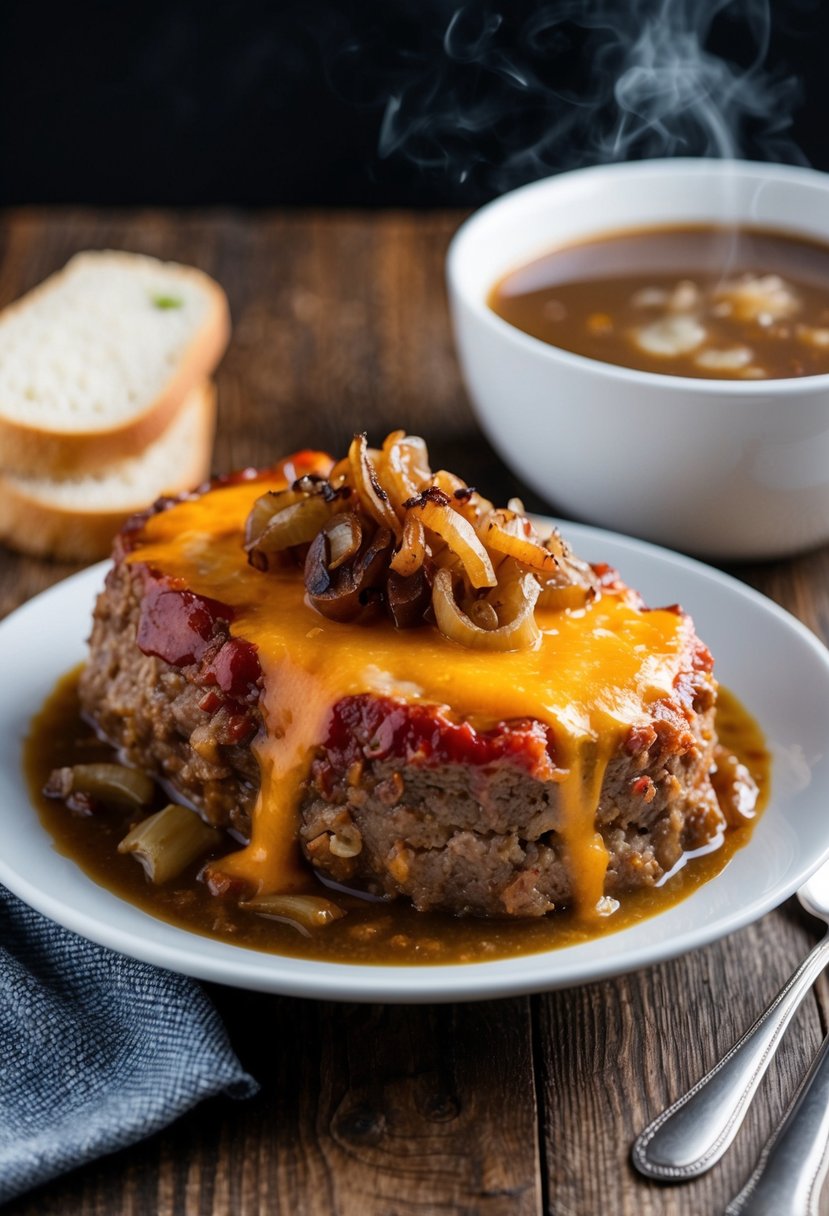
[{"x": 400, "y": 797}]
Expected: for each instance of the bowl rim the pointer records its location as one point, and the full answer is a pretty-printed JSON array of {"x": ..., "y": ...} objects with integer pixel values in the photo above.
[{"x": 798, "y": 386}]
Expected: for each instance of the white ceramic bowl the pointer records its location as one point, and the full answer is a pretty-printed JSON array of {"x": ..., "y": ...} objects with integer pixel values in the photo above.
[{"x": 735, "y": 469}]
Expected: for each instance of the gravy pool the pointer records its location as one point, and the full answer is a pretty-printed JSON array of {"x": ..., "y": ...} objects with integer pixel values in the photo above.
[
  {"x": 702, "y": 301},
  {"x": 371, "y": 932}
]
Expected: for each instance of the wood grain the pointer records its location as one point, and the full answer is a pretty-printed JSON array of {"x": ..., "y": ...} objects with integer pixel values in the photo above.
[
  {"x": 520, "y": 1106},
  {"x": 635, "y": 1044}
]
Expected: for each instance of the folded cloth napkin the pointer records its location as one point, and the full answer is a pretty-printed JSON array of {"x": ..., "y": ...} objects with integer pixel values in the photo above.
[{"x": 96, "y": 1050}]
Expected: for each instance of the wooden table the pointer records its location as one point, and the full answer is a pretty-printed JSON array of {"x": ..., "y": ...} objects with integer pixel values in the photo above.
[{"x": 505, "y": 1108}]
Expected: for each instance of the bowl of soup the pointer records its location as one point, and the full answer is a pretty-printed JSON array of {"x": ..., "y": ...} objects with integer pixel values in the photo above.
[{"x": 647, "y": 346}]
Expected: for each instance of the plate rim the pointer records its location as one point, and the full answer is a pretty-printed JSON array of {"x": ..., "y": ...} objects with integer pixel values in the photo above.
[{"x": 259, "y": 970}]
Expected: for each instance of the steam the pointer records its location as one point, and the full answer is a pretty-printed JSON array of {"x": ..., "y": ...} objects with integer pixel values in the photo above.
[{"x": 489, "y": 101}]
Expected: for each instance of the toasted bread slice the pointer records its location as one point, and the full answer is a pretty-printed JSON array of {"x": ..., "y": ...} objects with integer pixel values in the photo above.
[
  {"x": 74, "y": 518},
  {"x": 96, "y": 361}
]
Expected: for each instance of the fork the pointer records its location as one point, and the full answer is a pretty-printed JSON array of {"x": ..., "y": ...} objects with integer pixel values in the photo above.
[
  {"x": 694, "y": 1132},
  {"x": 789, "y": 1175}
]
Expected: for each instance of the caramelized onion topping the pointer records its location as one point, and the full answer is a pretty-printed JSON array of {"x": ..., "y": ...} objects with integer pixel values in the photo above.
[
  {"x": 411, "y": 553},
  {"x": 345, "y": 535},
  {"x": 434, "y": 509},
  {"x": 514, "y": 535},
  {"x": 373, "y": 497},
  {"x": 385, "y": 533},
  {"x": 519, "y": 630}
]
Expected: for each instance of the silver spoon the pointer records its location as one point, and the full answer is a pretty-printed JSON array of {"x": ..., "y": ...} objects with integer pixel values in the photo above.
[{"x": 692, "y": 1134}]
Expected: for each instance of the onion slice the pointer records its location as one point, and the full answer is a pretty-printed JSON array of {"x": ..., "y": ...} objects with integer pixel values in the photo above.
[
  {"x": 412, "y": 552},
  {"x": 556, "y": 544},
  {"x": 345, "y": 535},
  {"x": 434, "y": 511},
  {"x": 406, "y": 463},
  {"x": 296, "y": 524},
  {"x": 510, "y": 534},
  {"x": 572, "y": 586},
  {"x": 520, "y": 632},
  {"x": 263, "y": 510},
  {"x": 567, "y": 595},
  {"x": 374, "y": 498}
]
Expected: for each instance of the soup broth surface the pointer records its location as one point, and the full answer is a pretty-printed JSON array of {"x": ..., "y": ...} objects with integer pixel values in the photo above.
[{"x": 702, "y": 301}]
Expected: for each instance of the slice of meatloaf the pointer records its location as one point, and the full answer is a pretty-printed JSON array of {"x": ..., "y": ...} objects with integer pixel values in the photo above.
[
  {"x": 402, "y": 798},
  {"x": 187, "y": 718}
]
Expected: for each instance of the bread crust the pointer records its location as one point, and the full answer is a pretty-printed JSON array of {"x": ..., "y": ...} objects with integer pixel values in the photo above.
[
  {"x": 33, "y": 525},
  {"x": 32, "y": 450}
]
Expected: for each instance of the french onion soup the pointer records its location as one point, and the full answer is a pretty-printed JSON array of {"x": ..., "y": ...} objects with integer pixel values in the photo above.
[
  {"x": 703, "y": 301},
  {"x": 388, "y": 713}
]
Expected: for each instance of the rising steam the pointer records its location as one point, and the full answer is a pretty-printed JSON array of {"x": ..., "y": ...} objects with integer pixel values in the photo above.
[{"x": 490, "y": 101}]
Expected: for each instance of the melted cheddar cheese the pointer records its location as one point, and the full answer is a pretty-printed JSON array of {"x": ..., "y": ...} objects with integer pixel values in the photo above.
[{"x": 591, "y": 680}]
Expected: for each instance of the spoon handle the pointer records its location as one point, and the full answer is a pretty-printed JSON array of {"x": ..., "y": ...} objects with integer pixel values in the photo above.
[
  {"x": 792, "y": 1166},
  {"x": 692, "y": 1134}
]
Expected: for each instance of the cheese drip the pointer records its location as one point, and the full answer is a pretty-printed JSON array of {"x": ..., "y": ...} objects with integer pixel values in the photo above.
[{"x": 591, "y": 679}]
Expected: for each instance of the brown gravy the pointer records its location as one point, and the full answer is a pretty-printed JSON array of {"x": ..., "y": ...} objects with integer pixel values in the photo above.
[
  {"x": 702, "y": 301},
  {"x": 372, "y": 932}
]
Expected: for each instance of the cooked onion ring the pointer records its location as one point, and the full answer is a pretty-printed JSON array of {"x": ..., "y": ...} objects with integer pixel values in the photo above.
[
  {"x": 375, "y": 535},
  {"x": 374, "y": 498},
  {"x": 263, "y": 511},
  {"x": 572, "y": 586},
  {"x": 412, "y": 552},
  {"x": 433, "y": 509},
  {"x": 518, "y": 633},
  {"x": 483, "y": 614},
  {"x": 296, "y": 524},
  {"x": 449, "y": 483},
  {"x": 406, "y": 463},
  {"x": 559, "y": 599},
  {"x": 513, "y": 535},
  {"x": 556, "y": 545},
  {"x": 345, "y": 535}
]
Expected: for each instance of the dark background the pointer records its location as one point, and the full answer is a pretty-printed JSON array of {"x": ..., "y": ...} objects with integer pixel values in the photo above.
[{"x": 258, "y": 103}]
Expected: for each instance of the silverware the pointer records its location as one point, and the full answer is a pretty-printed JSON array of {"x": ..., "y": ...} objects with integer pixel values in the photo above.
[
  {"x": 790, "y": 1173},
  {"x": 693, "y": 1133}
]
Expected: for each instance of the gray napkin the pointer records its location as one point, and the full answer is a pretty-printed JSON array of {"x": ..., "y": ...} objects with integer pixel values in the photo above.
[{"x": 96, "y": 1050}]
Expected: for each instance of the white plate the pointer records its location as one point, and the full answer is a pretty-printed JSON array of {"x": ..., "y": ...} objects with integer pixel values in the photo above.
[{"x": 775, "y": 666}]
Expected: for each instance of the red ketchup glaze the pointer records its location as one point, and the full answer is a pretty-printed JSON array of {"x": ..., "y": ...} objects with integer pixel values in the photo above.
[
  {"x": 234, "y": 668},
  {"x": 609, "y": 579},
  {"x": 368, "y": 727},
  {"x": 184, "y": 629},
  {"x": 176, "y": 625}
]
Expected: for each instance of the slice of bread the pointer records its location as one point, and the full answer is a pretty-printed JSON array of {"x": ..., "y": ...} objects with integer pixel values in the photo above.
[
  {"x": 95, "y": 362},
  {"x": 74, "y": 518}
]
